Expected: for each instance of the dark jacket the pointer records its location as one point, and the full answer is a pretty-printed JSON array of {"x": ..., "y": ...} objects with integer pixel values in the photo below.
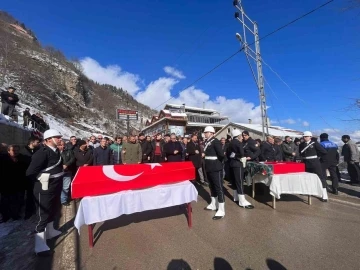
[
  {"x": 213, "y": 149},
  {"x": 146, "y": 150},
  {"x": 153, "y": 146},
  {"x": 13, "y": 174},
  {"x": 83, "y": 157},
  {"x": 332, "y": 157},
  {"x": 288, "y": 148},
  {"x": 267, "y": 152},
  {"x": 68, "y": 158},
  {"x": 309, "y": 150},
  {"x": 279, "y": 156},
  {"x": 28, "y": 153},
  {"x": 194, "y": 157},
  {"x": 251, "y": 149},
  {"x": 169, "y": 149},
  {"x": 235, "y": 152},
  {"x": 103, "y": 156},
  {"x": 5, "y": 95}
]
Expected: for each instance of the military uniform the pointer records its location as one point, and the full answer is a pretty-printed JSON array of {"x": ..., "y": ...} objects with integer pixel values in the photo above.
[
  {"x": 234, "y": 153},
  {"x": 251, "y": 149},
  {"x": 47, "y": 199},
  {"x": 214, "y": 156},
  {"x": 310, "y": 153}
]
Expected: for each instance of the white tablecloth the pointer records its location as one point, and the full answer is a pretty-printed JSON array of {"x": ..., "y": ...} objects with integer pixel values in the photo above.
[
  {"x": 292, "y": 183},
  {"x": 96, "y": 209}
]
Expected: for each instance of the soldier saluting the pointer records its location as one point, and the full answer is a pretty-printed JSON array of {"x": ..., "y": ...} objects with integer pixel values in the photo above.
[
  {"x": 311, "y": 151},
  {"x": 46, "y": 171},
  {"x": 214, "y": 156}
]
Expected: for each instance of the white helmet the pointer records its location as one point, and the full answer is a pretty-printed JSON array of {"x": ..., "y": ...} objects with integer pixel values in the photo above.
[
  {"x": 307, "y": 133},
  {"x": 235, "y": 133},
  {"x": 50, "y": 133},
  {"x": 209, "y": 129}
]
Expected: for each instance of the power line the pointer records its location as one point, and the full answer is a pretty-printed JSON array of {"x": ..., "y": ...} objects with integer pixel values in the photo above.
[{"x": 231, "y": 56}]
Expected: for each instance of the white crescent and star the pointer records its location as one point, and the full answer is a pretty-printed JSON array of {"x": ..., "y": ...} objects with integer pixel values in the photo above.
[{"x": 109, "y": 171}]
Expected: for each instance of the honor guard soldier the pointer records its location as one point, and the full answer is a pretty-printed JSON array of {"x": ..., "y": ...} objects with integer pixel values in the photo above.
[
  {"x": 235, "y": 153},
  {"x": 251, "y": 147},
  {"x": 310, "y": 152},
  {"x": 214, "y": 156},
  {"x": 46, "y": 171}
]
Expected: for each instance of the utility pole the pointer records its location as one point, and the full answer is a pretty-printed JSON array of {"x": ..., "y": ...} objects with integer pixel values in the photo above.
[
  {"x": 128, "y": 125},
  {"x": 251, "y": 30}
]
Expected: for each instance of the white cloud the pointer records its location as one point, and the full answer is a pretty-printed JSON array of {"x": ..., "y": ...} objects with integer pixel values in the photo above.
[
  {"x": 112, "y": 74},
  {"x": 305, "y": 124},
  {"x": 288, "y": 121},
  {"x": 159, "y": 91},
  {"x": 174, "y": 72}
]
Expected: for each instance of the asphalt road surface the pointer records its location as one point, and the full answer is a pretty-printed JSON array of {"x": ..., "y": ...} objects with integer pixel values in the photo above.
[{"x": 294, "y": 236}]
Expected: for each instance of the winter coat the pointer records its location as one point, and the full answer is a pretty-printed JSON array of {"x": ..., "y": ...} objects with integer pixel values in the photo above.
[
  {"x": 5, "y": 95},
  {"x": 146, "y": 150},
  {"x": 267, "y": 152},
  {"x": 350, "y": 152},
  {"x": 116, "y": 150},
  {"x": 103, "y": 156},
  {"x": 83, "y": 157},
  {"x": 332, "y": 157},
  {"x": 193, "y": 157},
  {"x": 153, "y": 145},
  {"x": 13, "y": 174},
  {"x": 169, "y": 149},
  {"x": 133, "y": 153},
  {"x": 288, "y": 148},
  {"x": 28, "y": 153}
]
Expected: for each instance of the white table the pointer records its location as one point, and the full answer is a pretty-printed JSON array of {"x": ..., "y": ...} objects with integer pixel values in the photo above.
[
  {"x": 96, "y": 209},
  {"x": 291, "y": 183}
]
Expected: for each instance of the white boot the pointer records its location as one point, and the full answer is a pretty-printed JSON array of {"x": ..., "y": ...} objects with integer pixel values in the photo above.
[
  {"x": 213, "y": 206},
  {"x": 50, "y": 231},
  {"x": 244, "y": 203},
  {"x": 220, "y": 212},
  {"x": 325, "y": 195},
  {"x": 235, "y": 195},
  {"x": 40, "y": 243}
]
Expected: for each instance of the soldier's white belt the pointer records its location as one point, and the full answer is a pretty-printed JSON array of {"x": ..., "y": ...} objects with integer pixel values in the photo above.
[
  {"x": 211, "y": 158},
  {"x": 57, "y": 175},
  {"x": 311, "y": 157}
]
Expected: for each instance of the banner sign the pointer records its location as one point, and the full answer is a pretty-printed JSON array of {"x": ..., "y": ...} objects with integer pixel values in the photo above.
[{"x": 122, "y": 114}]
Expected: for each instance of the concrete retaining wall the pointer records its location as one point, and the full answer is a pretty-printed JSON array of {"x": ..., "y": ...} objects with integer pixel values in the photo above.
[{"x": 13, "y": 135}]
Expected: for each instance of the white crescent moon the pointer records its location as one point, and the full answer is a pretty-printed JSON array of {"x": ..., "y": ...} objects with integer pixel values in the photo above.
[{"x": 110, "y": 172}]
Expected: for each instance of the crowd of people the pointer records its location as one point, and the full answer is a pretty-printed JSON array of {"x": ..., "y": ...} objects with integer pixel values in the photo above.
[{"x": 41, "y": 172}]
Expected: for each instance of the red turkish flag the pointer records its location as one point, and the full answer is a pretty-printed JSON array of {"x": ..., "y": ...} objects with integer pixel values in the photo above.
[{"x": 101, "y": 180}]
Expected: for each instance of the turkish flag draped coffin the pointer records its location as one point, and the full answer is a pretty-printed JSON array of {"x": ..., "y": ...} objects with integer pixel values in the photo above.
[
  {"x": 286, "y": 167},
  {"x": 101, "y": 180}
]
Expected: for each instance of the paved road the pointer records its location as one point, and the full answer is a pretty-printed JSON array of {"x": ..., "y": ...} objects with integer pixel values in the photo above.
[{"x": 294, "y": 236}]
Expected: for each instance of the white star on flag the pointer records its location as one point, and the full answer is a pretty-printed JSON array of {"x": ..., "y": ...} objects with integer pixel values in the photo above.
[{"x": 153, "y": 165}]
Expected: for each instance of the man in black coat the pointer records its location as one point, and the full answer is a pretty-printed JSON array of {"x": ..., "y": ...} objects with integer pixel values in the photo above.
[
  {"x": 235, "y": 153},
  {"x": 214, "y": 157},
  {"x": 83, "y": 155},
  {"x": 28, "y": 151},
  {"x": 173, "y": 149},
  {"x": 251, "y": 147},
  {"x": 157, "y": 145},
  {"x": 146, "y": 148},
  {"x": 9, "y": 100},
  {"x": 268, "y": 150},
  {"x": 103, "y": 154},
  {"x": 194, "y": 153}
]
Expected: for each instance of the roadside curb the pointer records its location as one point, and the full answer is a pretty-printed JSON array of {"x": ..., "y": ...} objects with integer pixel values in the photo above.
[{"x": 68, "y": 247}]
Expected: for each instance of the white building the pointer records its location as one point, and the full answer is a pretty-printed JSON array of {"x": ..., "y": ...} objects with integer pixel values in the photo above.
[
  {"x": 199, "y": 118},
  {"x": 255, "y": 131}
]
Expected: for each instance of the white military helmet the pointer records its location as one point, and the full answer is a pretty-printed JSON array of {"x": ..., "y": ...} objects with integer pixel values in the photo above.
[
  {"x": 209, "y": 129},
  {"x": 235, "y": 133},
  {"x": 307, "y": 133},
  {"x": 50, "y": 133}
]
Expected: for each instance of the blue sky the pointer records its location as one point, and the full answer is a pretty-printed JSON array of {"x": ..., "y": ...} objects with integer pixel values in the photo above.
[{"x": 131, "y": 42}]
